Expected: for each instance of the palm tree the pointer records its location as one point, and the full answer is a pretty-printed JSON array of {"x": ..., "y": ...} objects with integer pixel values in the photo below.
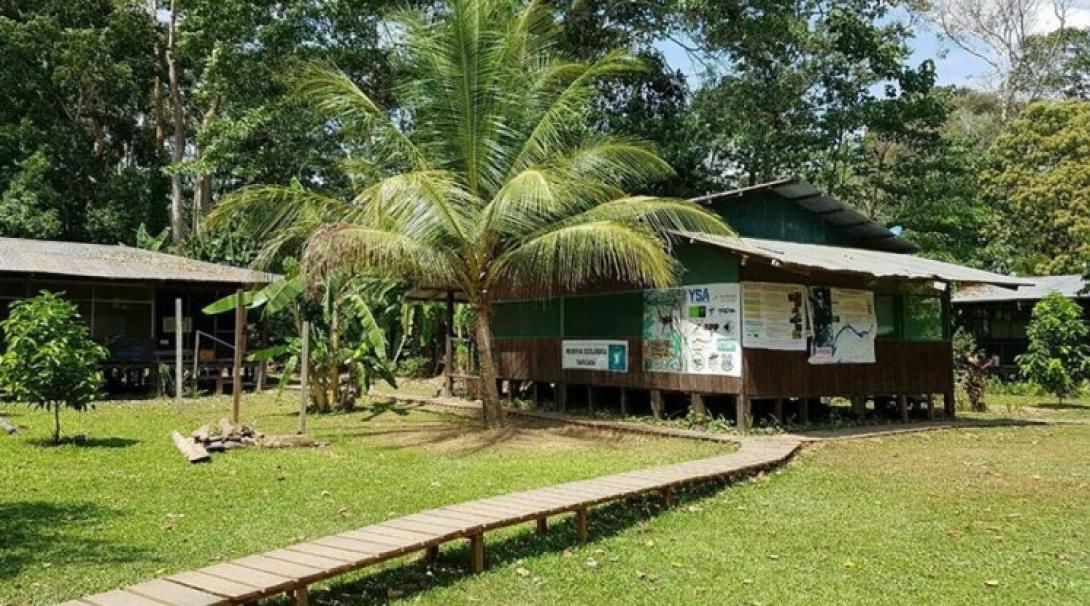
[{"x": 484, "y": 176}]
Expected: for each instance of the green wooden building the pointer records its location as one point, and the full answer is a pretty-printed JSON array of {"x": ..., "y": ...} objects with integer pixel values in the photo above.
[{"x": 812, "y": 301}]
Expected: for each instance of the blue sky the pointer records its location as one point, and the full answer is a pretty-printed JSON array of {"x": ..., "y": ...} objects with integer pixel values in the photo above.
[{"x": 953, "y": 65}]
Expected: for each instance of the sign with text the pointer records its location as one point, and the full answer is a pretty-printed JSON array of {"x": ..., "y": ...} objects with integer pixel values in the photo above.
[
  {"x": 610, "y": 356},
  {"x": 693, "y": 329}
]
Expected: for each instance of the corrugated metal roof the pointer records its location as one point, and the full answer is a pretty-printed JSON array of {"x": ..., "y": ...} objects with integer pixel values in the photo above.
[
  {"x": 1068, "y": 286},
  {"x": 878, "y": 264},
  {"x": 52, "y": 257},
  {"x": 832, "y": 210}
]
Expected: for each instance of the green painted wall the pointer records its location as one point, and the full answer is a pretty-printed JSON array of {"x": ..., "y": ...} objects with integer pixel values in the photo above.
[
  {"x": 604, "y": 316},
  {"x": 767, "y": 215},
  {"x": 527, "y": 319},
  {"x": 705, "y": 264}
]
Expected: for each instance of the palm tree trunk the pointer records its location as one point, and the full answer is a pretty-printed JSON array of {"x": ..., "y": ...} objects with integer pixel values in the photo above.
[{"x": 490, "y": 395}]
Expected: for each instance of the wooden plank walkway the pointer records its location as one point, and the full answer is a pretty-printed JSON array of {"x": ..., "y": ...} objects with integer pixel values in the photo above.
[{"x": 292, "y": 569}]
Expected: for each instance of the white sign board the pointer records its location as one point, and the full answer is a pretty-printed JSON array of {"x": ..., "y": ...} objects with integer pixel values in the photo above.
[
  {"x": 844, "y": 326},
  {"x": 774, "y": 316},
  {"x": 694, "y": 329},
  {"x": 610, "y": 356}
]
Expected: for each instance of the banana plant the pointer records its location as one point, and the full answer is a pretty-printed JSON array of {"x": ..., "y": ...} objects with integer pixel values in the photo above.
[{"x": 347, "y": 344}]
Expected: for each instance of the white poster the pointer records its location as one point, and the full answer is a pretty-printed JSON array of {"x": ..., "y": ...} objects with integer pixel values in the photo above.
[
  {"x": 844, "y": 326},
  {"x": 774, "y": 316},
  {"x": 694, "y": 329},
  {"x": 611, "y": 356}
]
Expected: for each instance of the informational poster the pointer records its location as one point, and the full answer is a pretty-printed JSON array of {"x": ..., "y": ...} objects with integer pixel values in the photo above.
[
  {"x": 611, "y": 356},
  {"x": 844, "y": 326},
  {"x": 774, "y": 316},
  {"x": 694, "y": 329}
]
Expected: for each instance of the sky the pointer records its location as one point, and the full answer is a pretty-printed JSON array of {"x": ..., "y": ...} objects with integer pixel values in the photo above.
[{"x": 954, "y": 66}]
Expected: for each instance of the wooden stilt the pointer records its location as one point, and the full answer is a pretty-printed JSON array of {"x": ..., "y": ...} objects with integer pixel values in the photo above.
[
  {"x": 448, "y": 347},
  {"x": 535, "y": 394},
  {"x": 476, "y": 552},
  {"x": 742, "y": 410},
  {"x": 581, "y": 523},
  {"x": 561, "y": 396},
  {"x": 431, "y": 554},
  {"x": 778, "y": 410},
  {"x": 667, "y": 496},
  {"x": 804, "y": 410},
  {"x": 656, "y": 403},
  {"x": 696, "y": 405},
  {"x": 930, "y": 407},
  {"x": 624, "y": 402},
  {"x": 902, "y": 404},
  {"x": 590, "y": 399},
  {"x": 300, "y": 596},
  {"x": 948, "y": 404},
  {"x": 542, "y": 525},
  {"x": 859, "y": 406}
]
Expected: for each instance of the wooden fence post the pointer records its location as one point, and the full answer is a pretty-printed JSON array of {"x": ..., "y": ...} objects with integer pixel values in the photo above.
[
  {"x": 304, "y": 378},
  {"x": 240, "y": 347},
  {"x": 178, "y": 380}
]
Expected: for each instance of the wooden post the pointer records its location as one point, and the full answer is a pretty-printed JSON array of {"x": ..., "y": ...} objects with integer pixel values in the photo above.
[
  {"x": 542, "y": 525},
  {"x": 859, "y": 407},
  {"x": 902, "y": 403},
  {"x": 742, "y": 409},
  {"x": 178, "y": 379},
  {"x": 590, "y": 400},
  {"x": 263, "y": 367},
  {"x": 431, "y": 554},
  {"x": 696, "y": 405},
  {"x": 656, "y": 403},
  {"x": 668, "y": 496},
  {"x": 476, "y": 552},
  {"x": 948, "y": 404},
  {"x": 448, "y": 352},
  {"x": 930, "y": 406},
  {"x": 561, "y": 393},
  {"x": 778, "y": 409},
  {"x": 304, "y": 378},
  {"x": 624, "y": 402},
  {"x": 240, "y": 347},
  {"x": 804, "y": 410},
  {"x": 581, "y": 523},
  {"x": 535, "y": 393},
  {"x": 300, "y": 596}
]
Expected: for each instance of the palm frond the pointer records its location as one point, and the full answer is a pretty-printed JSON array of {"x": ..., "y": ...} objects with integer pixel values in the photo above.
[
  {"x": 663, "y": 215},
  {"x": 381, "y": 253}
]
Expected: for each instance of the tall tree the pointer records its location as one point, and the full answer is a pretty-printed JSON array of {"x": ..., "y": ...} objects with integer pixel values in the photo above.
[
  {"x": 484, "y": 176},
  {"x": 1041, "y": 178}
]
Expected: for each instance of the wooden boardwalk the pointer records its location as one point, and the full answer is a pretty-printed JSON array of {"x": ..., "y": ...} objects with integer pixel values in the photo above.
[{"x": 292, "y": 569}]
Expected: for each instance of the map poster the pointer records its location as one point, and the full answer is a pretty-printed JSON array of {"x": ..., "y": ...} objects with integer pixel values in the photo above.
[
  {"x": 611, "y": 356},
  {"x": 844, "y": 326},
  {"x": 774, "y": 316},
  {"x": 694, "y": 329}
]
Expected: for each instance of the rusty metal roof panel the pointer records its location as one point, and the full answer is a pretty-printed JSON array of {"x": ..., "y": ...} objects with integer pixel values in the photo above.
[
  {"x": 1071, "y": 286},
  {"x": 115, "y": 262},
  {"x": 875, "y": 263}
]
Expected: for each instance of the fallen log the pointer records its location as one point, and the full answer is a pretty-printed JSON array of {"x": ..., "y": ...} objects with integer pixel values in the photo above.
[
  {"x": 190, "y": 449},
  {"x": 7, "y": 425}
]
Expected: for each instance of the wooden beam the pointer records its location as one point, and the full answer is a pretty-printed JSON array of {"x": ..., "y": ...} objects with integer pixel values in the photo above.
[
  {"x": 191, "y": 450},
  {"x": 656, "y": 403},
  {"x": 581, "y": 523},
  {"x": 240, "y": 349}
]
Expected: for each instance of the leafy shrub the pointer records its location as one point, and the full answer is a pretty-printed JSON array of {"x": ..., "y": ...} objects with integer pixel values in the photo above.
[
  {"x": 49, "y": 359},
  {"x": 415, "y": 367},
  {"x": 1057, "y": 359}
]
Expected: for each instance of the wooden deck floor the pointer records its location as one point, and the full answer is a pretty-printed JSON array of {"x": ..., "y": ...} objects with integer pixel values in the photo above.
[{"x": 292, "y": 569}]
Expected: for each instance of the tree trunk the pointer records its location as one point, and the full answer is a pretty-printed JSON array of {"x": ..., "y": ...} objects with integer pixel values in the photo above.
[
  {"x": 490, "y": 394},
  {"x": 202, "y": 183},
  {"x": 56, "y": 422},
  {"x": 334, "y": 364},
  {"x": 177, "y": 145}
]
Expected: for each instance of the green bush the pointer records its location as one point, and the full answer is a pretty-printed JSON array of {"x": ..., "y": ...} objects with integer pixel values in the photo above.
[
  {"x": 415, "y": 367},
  {"x": 1057, "y": 359},
  {"x": 49, "y": 359}
]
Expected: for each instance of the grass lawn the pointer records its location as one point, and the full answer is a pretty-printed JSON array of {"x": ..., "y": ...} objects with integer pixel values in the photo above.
[
  {"x": 125, "y": 506},
  {"x": 968, "y": 516}
]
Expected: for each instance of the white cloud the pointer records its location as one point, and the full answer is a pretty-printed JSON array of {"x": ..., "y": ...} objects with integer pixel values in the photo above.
[{"x": 1076, "y": 15}]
